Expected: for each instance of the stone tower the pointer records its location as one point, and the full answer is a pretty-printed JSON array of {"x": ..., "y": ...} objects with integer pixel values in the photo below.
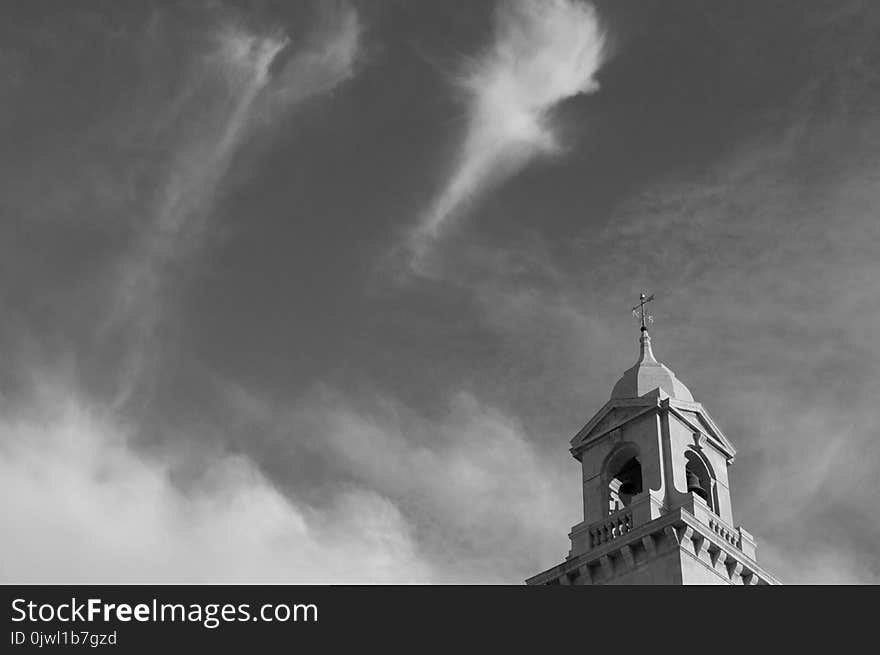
[{"x": 657, "y": 506}]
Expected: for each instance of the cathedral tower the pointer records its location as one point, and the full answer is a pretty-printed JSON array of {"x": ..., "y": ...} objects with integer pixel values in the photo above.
[{"x": 657, "y": 506}]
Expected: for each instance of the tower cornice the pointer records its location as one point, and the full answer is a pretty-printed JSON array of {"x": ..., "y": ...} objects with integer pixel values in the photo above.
[{"x": 678, "y": 530}]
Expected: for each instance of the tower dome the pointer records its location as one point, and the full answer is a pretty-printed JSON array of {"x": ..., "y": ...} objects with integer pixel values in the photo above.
[{"x": 649, "y": 374}]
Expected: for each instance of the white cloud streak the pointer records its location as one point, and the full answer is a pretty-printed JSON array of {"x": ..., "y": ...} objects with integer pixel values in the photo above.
[
  {"x": 247, "y": 83},
  {"x": 542, "y": 54}
]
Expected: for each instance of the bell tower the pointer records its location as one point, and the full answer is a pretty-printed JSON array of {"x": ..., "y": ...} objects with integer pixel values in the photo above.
[{"x": 657, "y": 507}]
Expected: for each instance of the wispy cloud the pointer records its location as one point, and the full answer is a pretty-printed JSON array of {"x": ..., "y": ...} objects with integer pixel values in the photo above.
[
  {"x": 484, "y": 504},
  {"x": 71, "y": 472},
  {"x": 246, "y": 83},
  {"x": 461, "y": 497},
  {"x": 480, "y": 499},
  {"x": 542, "y": 54},
  {"x": 84, "y": 506}
]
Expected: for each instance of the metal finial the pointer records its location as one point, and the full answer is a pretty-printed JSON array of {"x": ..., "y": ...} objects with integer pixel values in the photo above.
[{"x": 640, "y": 313}]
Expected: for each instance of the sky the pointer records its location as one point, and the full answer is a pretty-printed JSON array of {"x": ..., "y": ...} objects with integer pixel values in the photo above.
[{"x": 319, "y": 292}]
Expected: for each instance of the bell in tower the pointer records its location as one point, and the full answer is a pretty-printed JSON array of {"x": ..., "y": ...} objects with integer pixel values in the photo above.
[
  {"x": 693, "y": 485},
  {"x": 656, "y": 495},
  {"x": 630, "y": 478}
]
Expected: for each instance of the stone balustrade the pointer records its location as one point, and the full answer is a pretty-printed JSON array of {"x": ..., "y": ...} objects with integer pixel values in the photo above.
[
  {"x": 611, "y": 527},
  {"x": 729, "y": 535}
]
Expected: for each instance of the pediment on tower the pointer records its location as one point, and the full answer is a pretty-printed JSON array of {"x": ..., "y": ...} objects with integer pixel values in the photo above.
[
  {"x": 698, "y": 420},
  {"x": 612, "y": 416}
]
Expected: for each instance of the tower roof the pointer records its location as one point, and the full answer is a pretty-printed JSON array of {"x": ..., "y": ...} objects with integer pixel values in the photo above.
[{"x": 648, "y": 374}]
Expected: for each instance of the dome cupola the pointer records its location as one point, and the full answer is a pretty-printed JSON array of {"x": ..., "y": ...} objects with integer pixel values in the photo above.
[{"x": 648, "y": 374}]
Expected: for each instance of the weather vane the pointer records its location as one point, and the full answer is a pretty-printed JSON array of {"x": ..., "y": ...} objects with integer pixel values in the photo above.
[{"x": 639, "y": 310}]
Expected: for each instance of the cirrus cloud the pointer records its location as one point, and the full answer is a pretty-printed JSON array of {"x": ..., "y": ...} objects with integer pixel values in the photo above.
[{"x": 542, "y": 54}]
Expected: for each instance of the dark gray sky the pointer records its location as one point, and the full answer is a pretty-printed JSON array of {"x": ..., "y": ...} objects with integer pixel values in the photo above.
[{"x": 320, "y": 292}]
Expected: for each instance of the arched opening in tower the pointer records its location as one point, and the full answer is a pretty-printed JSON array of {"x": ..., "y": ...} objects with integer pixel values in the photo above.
[
  {"x": 625, "y": 483},
  {"x": 699, "y": 480}
]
